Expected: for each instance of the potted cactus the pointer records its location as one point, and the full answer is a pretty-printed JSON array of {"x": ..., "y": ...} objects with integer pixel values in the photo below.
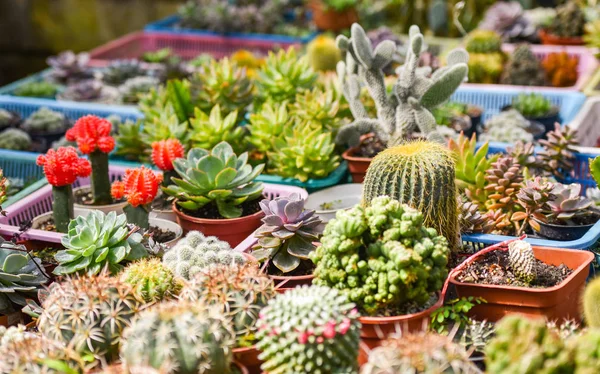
[
  {"x": 216, "y": 193},
  {"x": 486, "y": 58},
  {"x": 15, "y": 139},
  {"x": 407, "y": 109},
  {"x": 45, "y": 126},
  {"x": 535, "y": 107},
  {"x": 567, "y": 27},
  {"x": 334, "y": 15},
  {"x": 139, "y": 187},
  {"x": 152, "y": 280}
]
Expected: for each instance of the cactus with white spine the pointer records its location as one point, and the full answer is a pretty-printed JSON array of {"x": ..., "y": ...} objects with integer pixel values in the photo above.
[{"x": 521, "y": 260}]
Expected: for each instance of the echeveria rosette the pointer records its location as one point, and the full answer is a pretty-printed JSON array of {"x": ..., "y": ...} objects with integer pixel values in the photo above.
[
  {"x": 140, "y": 187},
  {"x": 287, "y": 234},
  {"x": 98, "y": 241},
  {"x": 218, "y": 177},
  {"x": 568, "y": 203}
]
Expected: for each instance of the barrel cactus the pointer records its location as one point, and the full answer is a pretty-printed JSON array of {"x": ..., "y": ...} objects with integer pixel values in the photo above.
[
  {"x": 180, "y": 337},
  {"x": 309, "y": 330},
  {"x": 323, "y": 54},
  {"x": 152, "y": 280},
  {"x": 420, "y": 174},
  {"x": 15, "y": 139}
]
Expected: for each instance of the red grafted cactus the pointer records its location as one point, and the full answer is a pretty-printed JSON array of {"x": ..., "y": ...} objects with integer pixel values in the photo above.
[
  {"x": 165, "y": 152},
  {"x": 139, "y": 186},
  {"x": 92, "y": 133},
  {"x": 63, "y": 166}
]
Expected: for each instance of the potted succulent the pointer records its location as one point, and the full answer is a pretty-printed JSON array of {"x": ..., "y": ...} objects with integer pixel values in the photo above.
[
  {"x": 15, "y": 139},
  {"x": 40, "y": 89},
  {"x": 45, "y": 126},
  {"x": 387, "y": 262},
  {"x": 68, "y": 67},
  {"x": 406, "y": 110},
  {"x": 164, "y": 152},
  {"x": 215, "y": 193},
  {"x": 510, "y": 126},
  {"x": 567, "y": 27},
  {"x": 8, "y": 119},
  {"x": 537, "y": 108},
  {"x": 334, "y": 15},
  {"x": 459, "y": 117},
  {"x": 93, "y": 138},
  {"x": 92, "y": 91},
  {"x": 285, "y": 240},
  {"x": 139, "y": 187}
]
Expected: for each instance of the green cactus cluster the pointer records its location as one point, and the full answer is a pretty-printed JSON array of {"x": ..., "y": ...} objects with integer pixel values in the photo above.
[
  {"x": 569, "y": 21},
  {"x": 323, "y": 54},
  {"x": 45, "y": 120},
  {"x": 483, "y": 41},
  {"x": 486, "y": 59},
  {"x": 151, "y": 280},
  {"x": 521, "y": 260},
  {"x": 591, "y": 312},
  {"x": 523, "y": 69},
  {"x": 7, "y": 118},
  {"x": 382, "y": 256},
  {"x": 15, "y": 139},
  {"x": 309, "y": 330}
]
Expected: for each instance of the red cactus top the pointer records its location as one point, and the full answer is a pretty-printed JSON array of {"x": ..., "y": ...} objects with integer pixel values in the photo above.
[
  {"x": 139, "y": 186},
  {"x": 165, "y": 152},
  {"x": 91, "y": 133},
  {"x": 63, "y": 166}
]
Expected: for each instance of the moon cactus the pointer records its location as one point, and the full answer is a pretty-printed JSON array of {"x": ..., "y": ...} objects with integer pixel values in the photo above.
[
  {"x": 164, "y": 152},
  {"x": 140, "y": 187}
]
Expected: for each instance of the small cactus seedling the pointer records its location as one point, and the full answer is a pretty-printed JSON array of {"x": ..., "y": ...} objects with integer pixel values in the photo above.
[
  {"x": 140, "y": 187},
  {"x": 151, "y": 280},
  {"x": 164, "y": 152},
  {"x": 62, "y": 167}
]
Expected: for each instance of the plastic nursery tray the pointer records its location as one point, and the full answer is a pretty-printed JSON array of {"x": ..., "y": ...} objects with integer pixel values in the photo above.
[
  {"x": 21, "y": 165},
  {"x": 311, "y": 185},
  {"x": 586, "y": 67},
  {"x": 186, "y": 46},
  {"x": 170, "y": 24},
  {"x": 40, "y": 202},
  {"x": 586, "y": 123}
]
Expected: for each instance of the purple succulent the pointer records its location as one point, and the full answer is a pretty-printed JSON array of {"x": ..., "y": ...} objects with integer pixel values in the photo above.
[
  {"x": 568, "y": 203},
  {"x": 507, "y": 19},
  {"x": 287, "y": 234},
  {"x": 69, "y": 67}
]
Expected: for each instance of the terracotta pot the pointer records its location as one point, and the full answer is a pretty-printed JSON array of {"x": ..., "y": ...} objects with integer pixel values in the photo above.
[
  {"x": 248, "y": 357},
  {"x": 330, "y": 19},
  {"x": 243, "y": 369},
  {"x": 558, "y": 303},
  {"x": 291, "y": 281},
  {"x": 357, "y": 165},
  {"x": 12, "y": 319},
  {"x": 231, "y": 230},
  {"x": 551, "y": 39}
]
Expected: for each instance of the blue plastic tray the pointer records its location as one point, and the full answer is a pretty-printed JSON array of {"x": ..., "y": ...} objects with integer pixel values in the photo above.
[
  {"x": 311, "y": 185},
  {"x": 169, "y": 24},
  {"x": 9, "y": 89},
  {"x": 15, "y": 164}
]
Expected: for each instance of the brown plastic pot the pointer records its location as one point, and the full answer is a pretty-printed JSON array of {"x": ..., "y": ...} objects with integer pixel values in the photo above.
[
  {"x": 551, "y": 39},
  {"x": 12, "y": 319},
  {"x": 558, "y": 303},
  {"x": 357, "y": 165},
  {"x": 291, "y": 281},
  {"x": 248, "y": 357},
  {"x": 231, "y": 230},
  {"x": 330, "y": 19}
]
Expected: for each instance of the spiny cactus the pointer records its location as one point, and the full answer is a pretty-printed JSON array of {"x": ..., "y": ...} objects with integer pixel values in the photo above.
[
  {"x": 428, "y": 187},
  {"x": 523, "y": 69},
  {"x": 591, "y": 312},
  {"x": 180, "y": 338},
  {"x": 164, "y": 152},
  {"x": 241, "y": 292},
  {"x": 15, "y": 139},
  {"x": 139, "y": 187},
  {"x": 558, "y": 154},
  {"x": 569, "y": 20},
  {"x": 408, "y": 108},
  {"x": 151, "y": 280},
  {"x": 132, "y": 89},
  {"x": 486, "y": 59},
  {"x": 210, "y": 130},
  {"x": 323, "y": 336},
  {"x": 323, "y": 53},
  {"x": 45, "y": 120},
  {"x": 483, "y": 41},
  {"x": 89, "y": 313},
  {"x": 521, "y": 260},
  {"x": 586, "y": 357},
  {"x": 477, "y": 335}
]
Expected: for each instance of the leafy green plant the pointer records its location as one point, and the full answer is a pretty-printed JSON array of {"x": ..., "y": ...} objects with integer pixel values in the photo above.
[
  {"x": 210, "y": 130},
  {"x": 339, "y": 5},
  {"x": 532, "y": 105},
  {"x": 37, "y": 89},
  {"x": 454, "y": 312}
]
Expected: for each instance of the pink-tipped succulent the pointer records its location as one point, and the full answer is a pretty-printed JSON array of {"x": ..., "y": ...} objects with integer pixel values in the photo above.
[{"x": 568, "y": 204}]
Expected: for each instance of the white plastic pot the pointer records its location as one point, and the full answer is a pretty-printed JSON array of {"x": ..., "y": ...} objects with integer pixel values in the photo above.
[
  {"x": 117, "y": 208},
  {"x": 170, "y": 226},
  {"x": 342, "y": 197}
]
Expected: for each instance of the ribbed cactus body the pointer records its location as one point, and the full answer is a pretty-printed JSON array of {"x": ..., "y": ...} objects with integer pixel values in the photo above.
[
  {"x": 591, "y": 307},
  {"x": 521, "y": 260},
  {"x": 420, "y": 174}
]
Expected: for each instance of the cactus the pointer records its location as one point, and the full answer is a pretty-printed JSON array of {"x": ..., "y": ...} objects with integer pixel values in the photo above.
[
  {"x": 408, "y": 108},
  {"x": 323, "y": 336},
  {"x": 317, "y": 108},
  {"x": 69, "y": 67},
  {"x": 151, "y": 280},
  {"x": 267, "y": 124},
  {"x": 523, "y": 69},
  {"x": 591, "y": 312},
  {"x": 179, "y": 337},
  {"x": 139, "y": 187},
  {"x": 62, "y": 168},
  {"x": 586, "y": 357},
  {"x": 210, "y": 130},
  {"x": 569, "y": 21},
  {"x": 119, "y": 71},
  {"x": 323, "y": 53},
  {"x": 532, "y": 105},
  {"x": 15, "y": 139},
  {"x": 164, "y": 152},
  {"x": 96, "y": 242},
  {"x": 241, "y": 291},
  {"x": 93, "y": 137},
  {"x": 196, "y": 252},
  {"x": 483, "y": 41},
  {"x": 89, "y": 313},
  {"x": 477, "y": 335},
  {"x": 428, "y": 187},
  {"x": 558, "y": 155},
  {"x": 7, "y": 119},
  {"x": 45, "y": 120},
  {"x": 561, "y": 69},
  {"x": 486, "y": 59},
  {"x": 42, "y": 89},
  {"x": 521, "y": 260},
  {"x": 132, "y": 89}
]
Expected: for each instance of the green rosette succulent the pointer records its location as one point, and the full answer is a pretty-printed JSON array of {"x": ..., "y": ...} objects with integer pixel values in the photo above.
[
  {"x": 210, "y": 130},
  {"x": 217, "y": 177},
  {"x": 98, "y": 241},
  {"x": 268, "y": 124}
]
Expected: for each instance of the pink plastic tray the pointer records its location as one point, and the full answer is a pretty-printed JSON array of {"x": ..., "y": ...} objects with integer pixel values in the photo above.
[
  {"x": 585, "y": 69},
  {"x": 185, "y": 46}
]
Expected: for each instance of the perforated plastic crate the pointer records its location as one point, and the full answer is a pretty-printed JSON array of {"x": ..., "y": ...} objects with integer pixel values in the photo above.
[
  {"x": 587, "y": 123},
  {"x": 22, "y": 166}
]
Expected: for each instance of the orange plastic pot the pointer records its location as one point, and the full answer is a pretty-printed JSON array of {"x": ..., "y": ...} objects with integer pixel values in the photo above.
[
  {"x": 558, "y": 303},
  {"x": 330, "y": 19},
  {"x": 248, "y": 357},
  {"x": 231, "y": 230},
  {"x": 357, "y": 165},
  {"x": 12, "y": 319},
  {"x": 291, "y": 281},
  {"x": 551, "y": 39}
]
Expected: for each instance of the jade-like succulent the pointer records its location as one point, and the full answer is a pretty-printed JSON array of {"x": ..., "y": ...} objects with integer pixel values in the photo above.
[
  {"x": 532, "y": 105},
  {"x": 15, "y": 139},
  {"x": 323, "y": 334},
  {"x": 523, "y": 69},
  {"x": 323, "y": 54},
  {"x": 217, "y": 177},
  {"x": 569, "y": 21},
  {"x": 267, "y": 124},
  {"x": 98, "y": 241},
  {"x": 69, "y": 67},
  {"x": 41, "y": 89},
  {"x": 317, "y": 108},
  {"x": 524, "y": 154},
  {"x": 151, "y": 280},
  {"x": 133, "y": 88},
  {"x": 558, "y": 155},
  {"x": 45, "y": 120},
  {"x": 158, "y": 56},
  {"x": 471, "y": 220},
  {"x": 408, "y": 108},
  {"x": 521, "y": 260},
  {"x": 119, "y": 71},
  {"x": 210, "y": 130}
]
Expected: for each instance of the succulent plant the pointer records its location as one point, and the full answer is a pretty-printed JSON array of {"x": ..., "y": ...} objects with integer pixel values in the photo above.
[
  {"x": 508, "y": 126},
  {"x": 568, "y": 203},
  {"x": 89, "y": 313},
  {"x": 180, "y": 337},
  {"x": 151, "y": 280},
  {"x": 241, "y": 292},
  {"x": 41, "y": 89},
  {"x": 477, "y": 335},
  {"x": 45, "y": 120},
  {"x": 165, "y": 126},
  {"x": 323, "y": 337},
  {"x": 566, "y": 329},
  {"x": 139, "y": 187},
  {"x": 521, "y": 260},
  {"x": 7, "y": 118},
  {"x": 486, "y": 59},
  {"x": 561, "y": 69},
  {"x": 267, "y": 124},
  {"x": 133, "y": 88},
  {"x": 284, "y": 75},
  {"x": 222, "y": 83},
  {"x": 585, "y": 351},
  {"x": 248, "y": 60},
  {"x": 93, "y": 137},
  {"x": 569, "y": 20},
  {"x": 69, "y": 67},
  {"x": 119, "y": 71},
  {"x": 90, "y": 90},
  {"x": 533, "y": 196},
  {"x": 429, "y": 187},
  {"x": 523, "y": 68},
  {"x": 158, "y": 56},
  {"x": 164, "y": 152},
  {"x": 323, "y": 53},
  {"x": 196, "y": 252},
  {"x": 96, "y": 242},
  {"x": 483, "y": 41},
  {"x": 591, "y": 313},
  {"x": 508, "y": 20},
  {"x": 62, "y": 168},
  {"x": 15, "y": 139},
  {"x": 303, "y": 153},
  {"x": 471, "y": 220},
  {"x": 286, "y": 237},
  {"x": 12, "y": 334},
  {"x": 20, "y": 276},
  {"x": 217, "y": 177},
  {"x": 524, "y": 154},
  {"x": 532, "y": 105},
  {"x": 129, "y": 143},
  {"x": 317, "y": 108},
  {"x": 210, "y": 130},
  {"x": 559, "y": 152}
]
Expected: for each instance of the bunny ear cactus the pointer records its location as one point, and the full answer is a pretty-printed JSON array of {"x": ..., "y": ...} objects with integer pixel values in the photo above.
[
  {"x": 164, "y": 152},
  {"x": 62, "y": 168},
  {"x": 93, "y": 138},
  {"x": 408, "y": 108},
  {"x": 218, "y": 177},
  {"x": 140, "y": 187}
]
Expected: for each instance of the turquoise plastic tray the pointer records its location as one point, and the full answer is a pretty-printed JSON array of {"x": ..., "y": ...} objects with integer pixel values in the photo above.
[{"x": 15, "y": 164}]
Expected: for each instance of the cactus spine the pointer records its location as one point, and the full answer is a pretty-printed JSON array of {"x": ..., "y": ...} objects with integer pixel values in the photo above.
[
  {"x": 420, "y": 174},
  {"x": 521, "y": 260}
]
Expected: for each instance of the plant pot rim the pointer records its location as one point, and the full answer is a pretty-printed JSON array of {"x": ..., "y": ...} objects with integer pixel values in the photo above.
[
  {"x": 213, "y": 221},
  {"x": 367, "y": 320},
  {"x": 348, "y": 155},
  {"x": 245, "y": 349},
  {"x": 555, "y": 226},
  {"x": 567, "y": 40},
  {"x": 590, "y": 257},
  {"x": 95, "y": 207},
  {"x": 291, "y": 277}
]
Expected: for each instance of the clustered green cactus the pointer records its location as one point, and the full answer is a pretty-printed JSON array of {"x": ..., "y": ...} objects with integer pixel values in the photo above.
[
  {"x": 381, "y": 256},
  {"x": 323, "y": 54},
  {"x": 523, "y": 69},
  {"x": 569, "y": 20},
  {"x": 15, "y": 139},
  {"x": 486, "y": 59},
  {"x": 45, "y": 120},
  {"x": 151, "y": 280},
  {"x": 309, "y": 330}
]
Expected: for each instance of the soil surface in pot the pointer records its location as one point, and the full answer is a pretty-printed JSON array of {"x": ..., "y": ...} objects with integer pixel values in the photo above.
[
  {"x": 210, "y": 211},
  {"x": 162, "y": 202},
  {"x": 369, "y": 148},
  {"x": 493, "y": 269},
  {"x": 305, "y": 268},
  {"x": 578, "y": 221},
  {"x": 405, "y": 308},
  {"x": 85, "y": 197},
  {"x": 161, "y": 236},
  {"x": 46, "y": 255}
]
